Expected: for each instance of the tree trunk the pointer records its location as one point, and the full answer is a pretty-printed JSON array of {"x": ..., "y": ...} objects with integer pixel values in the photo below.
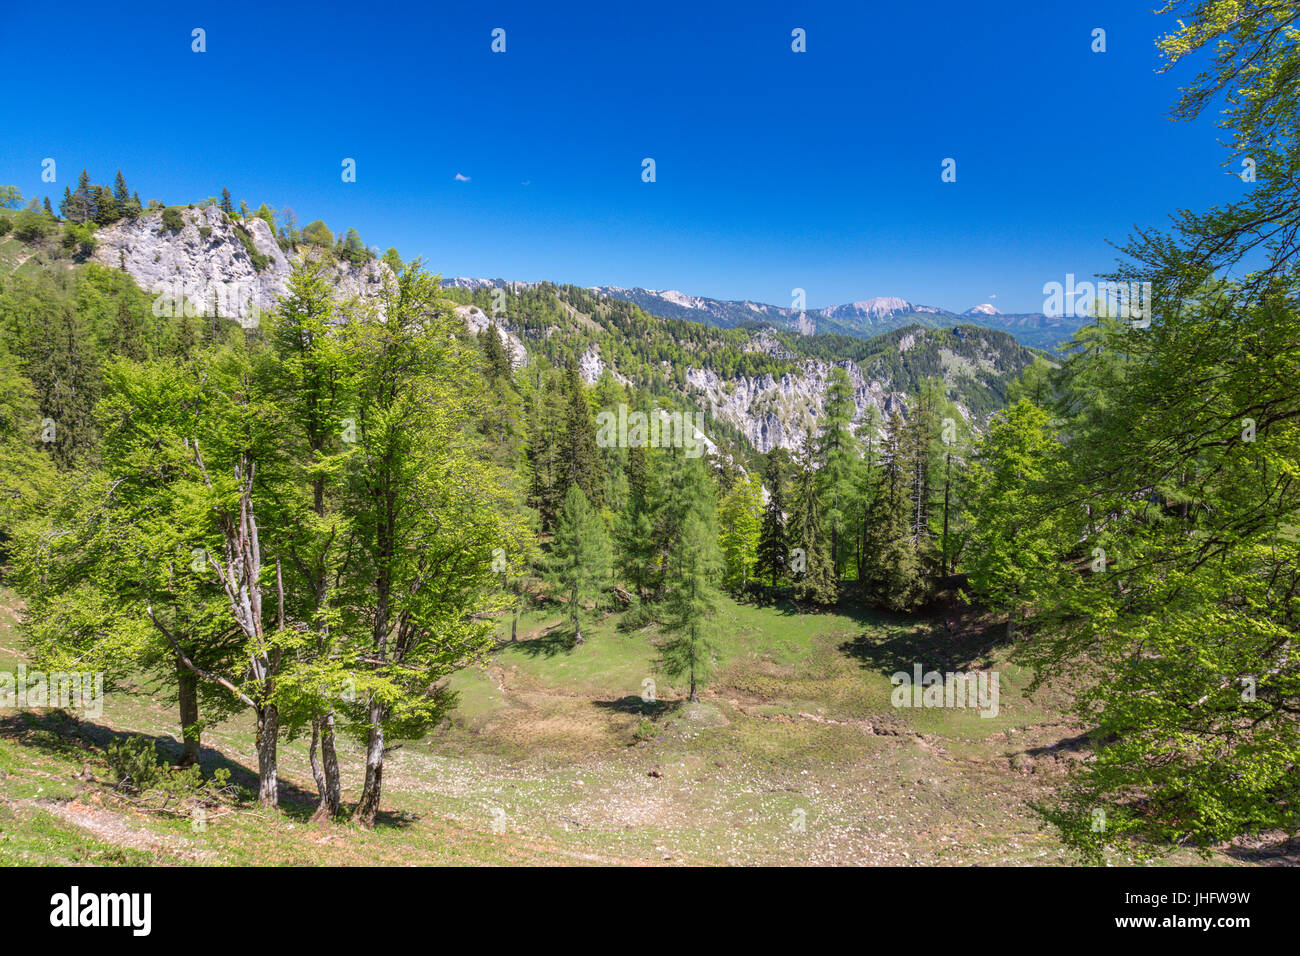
[
  {"x": 333, "y": 787},
  {"x": 316, "y": 773},
  {"x": 268, "y": 733},
  {"x": 947, "y": 484},
  {"x": 368, "y": 806},
  {"x": 188, "y": 690},
  {"x": 327, "y": 776}
]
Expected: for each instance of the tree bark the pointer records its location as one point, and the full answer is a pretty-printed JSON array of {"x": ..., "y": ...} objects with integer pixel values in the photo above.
[
  {"x": 326, "y": 770},
  {"x": 187, "y": 683},
  {"x": 268, "y": 732},
  {"x": 333, "y": 789},
  {"x": 368, "y": 806}
]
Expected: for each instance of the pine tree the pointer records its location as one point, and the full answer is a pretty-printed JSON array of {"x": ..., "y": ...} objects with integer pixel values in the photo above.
[{"x": 226, "y": 205}]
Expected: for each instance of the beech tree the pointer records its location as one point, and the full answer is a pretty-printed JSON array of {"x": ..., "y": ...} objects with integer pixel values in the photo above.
[{"x": 430, "y": 516}]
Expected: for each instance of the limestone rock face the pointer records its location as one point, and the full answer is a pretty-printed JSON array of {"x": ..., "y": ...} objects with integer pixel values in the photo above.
[
  {"x": 207, "y": 263},
  {"x": 477, "y": 321},
  {"x": 779, "y": 413}
]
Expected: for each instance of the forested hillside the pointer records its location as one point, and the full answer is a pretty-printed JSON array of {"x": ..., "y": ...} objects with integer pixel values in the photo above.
[{"x": 307, "y": 484}]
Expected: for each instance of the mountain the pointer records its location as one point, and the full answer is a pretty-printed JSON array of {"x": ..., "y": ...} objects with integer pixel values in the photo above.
[
  {"x": 746, "y": 366},
  {"x": 863, "y": 318}
]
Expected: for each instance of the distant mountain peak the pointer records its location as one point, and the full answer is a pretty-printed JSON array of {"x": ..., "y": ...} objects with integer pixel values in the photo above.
[
  {"x": 877, "y": 307},
  {"x": 985, "y": 309}
]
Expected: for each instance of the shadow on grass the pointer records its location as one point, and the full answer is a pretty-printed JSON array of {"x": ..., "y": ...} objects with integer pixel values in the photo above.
[
  {"x": 59, "y": 732},
  {"x": 935, "y": 645},
  {"x": 558, "y": 640},
  {"x": 634, "y": 705}
]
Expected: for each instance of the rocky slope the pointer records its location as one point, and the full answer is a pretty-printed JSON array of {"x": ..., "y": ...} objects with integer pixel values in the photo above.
[
  {"x": 240, "y": 269},
  {"x": 207, "y": 261}
]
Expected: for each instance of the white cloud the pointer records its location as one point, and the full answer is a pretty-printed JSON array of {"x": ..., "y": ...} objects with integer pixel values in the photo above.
[{"x": 461, "y": 178}]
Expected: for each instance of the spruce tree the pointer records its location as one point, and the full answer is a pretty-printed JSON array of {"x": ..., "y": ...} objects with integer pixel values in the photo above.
[
  {"x": 810, "y": 546},
  {"x": 836, "y": 459},
  {"x": 579, "y": 457},
  {"x": 120, "y": 193},
  {"x": 773, "y": 548}
]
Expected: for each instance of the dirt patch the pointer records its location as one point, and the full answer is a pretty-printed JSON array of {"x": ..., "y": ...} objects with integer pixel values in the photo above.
[{"x": 114, "y": 828}]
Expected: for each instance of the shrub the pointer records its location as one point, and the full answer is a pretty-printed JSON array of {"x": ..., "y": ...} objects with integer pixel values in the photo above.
[
  {"x": 172, "y": 220},
  {"x": 31, "y": 227},
  {"x": 137, "y": 768},
  {"x": 260, "y": 260},
  {"x": 134, "y": 763},
  {"x": 5, "y": 226},
  {"x": 79, "y": 238}
]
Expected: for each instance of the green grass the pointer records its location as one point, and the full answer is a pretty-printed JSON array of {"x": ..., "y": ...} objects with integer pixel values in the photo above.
[{"x": 552, "y": 757}]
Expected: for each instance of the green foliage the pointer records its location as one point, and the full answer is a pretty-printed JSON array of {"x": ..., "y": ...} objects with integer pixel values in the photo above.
[
  {"x": 137, "y": 767},
  {"x": 316, "y": 233},
  {"x": 690, "y": 607},
  {"x": 259, "y": 259},
  {"x": 581, "y": 559},
  {"x": 172, "y": 220},
  {"x": 773, "y": 549},
  {"x": 740, "y": 517}
]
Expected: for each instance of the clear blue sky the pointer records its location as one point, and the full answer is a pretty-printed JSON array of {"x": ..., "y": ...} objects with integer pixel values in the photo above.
[{"x": 819, "y": 170}]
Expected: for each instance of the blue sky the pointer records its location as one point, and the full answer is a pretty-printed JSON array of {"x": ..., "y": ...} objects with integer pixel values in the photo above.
[{"x": 774, "y": 169}]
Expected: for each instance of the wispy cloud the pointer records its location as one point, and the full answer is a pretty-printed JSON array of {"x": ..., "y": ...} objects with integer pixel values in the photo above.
[{"x": 462, "y": 178}]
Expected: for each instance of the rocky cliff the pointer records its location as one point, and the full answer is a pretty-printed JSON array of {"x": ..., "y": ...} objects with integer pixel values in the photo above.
[{"x": 212, "y": 261}]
